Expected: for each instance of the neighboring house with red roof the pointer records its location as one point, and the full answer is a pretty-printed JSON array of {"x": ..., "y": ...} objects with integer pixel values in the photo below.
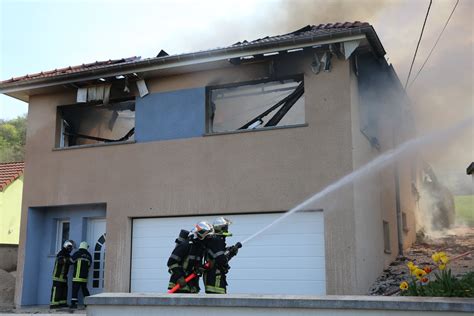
[
  {"x": 125, "y": 153},
  {"x": 11, "y": 189}
]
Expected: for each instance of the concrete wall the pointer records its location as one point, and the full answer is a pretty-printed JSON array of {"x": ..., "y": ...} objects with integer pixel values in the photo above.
[
  {"x": 170, "y": 115},
  {"x": 259, "y": 171},
  {"x": 10, "y": 206},
  {"x": 143, "y": 304},
  {"x": 8, "y": 257}
]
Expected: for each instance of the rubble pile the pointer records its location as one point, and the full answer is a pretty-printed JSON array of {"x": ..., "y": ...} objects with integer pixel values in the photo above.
[{"x": 454, "y": 242}]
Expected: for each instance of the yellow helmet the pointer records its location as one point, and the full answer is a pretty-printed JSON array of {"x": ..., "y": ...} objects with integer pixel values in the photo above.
[{"x": 83, "y": 245}]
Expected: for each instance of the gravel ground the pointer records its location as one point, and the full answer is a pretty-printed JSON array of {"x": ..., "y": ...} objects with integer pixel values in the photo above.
[{"x": 454, "y": 242}]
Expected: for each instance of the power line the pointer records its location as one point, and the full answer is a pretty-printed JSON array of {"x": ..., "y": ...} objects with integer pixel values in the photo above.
[
  {"x": 418, "y": 45},
  {"x": 436, "y": 43}
]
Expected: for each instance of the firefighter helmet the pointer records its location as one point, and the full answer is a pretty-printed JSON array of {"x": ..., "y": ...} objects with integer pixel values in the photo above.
[
  {"x": 83, "y": 245},
  {"x": 221, "y": 225},
  {"x": 202, "y": 229},
  {"x": 68, "y": 245}
]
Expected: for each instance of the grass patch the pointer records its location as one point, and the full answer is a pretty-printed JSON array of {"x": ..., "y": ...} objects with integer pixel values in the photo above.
[{"x": 464, "y": 205}]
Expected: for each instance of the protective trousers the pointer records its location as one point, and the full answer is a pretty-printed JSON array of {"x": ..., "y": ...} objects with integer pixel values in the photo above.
[
  {"x": 58, "y": 294},
  {"x": 215, "y": 282},
  {"x": 76, "y": 286}
]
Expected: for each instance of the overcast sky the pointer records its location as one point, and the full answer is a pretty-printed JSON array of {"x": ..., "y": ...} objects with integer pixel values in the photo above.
[{"x": 44, "y": 35}]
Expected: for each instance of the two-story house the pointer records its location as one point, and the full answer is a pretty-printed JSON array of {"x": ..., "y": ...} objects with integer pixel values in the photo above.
[{"x": 125, "y": 153}]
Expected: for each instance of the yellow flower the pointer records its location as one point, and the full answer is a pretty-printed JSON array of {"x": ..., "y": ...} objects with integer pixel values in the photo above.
[
  {"x": 419, "y": 273},
  {"x": 444, "y": 259},
  {"x": 404, "y": 286},
  {"x": 442, "y": 266},
  {"x": 411, "y": 266},
  {"x": 435, "y": 257}
]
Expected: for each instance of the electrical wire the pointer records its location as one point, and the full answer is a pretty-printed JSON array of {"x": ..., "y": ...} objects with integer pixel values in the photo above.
[
  {"x": 418, "y": 45},
  {"x": 436, "y": 43}
]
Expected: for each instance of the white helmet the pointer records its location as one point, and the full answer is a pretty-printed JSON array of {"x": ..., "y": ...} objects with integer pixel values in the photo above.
[
  {"x": 201, "y": 230},
  {"x": 68, "y": 245},
  {"x": 221, "y": 225},
  {"x": 84, "y": 245}
]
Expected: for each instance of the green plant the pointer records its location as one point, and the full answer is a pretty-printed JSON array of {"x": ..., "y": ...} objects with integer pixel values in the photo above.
[{"x": 422, "y": 282}]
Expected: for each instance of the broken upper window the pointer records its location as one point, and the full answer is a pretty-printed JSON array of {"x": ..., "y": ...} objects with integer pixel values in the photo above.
[
  {"x": 84, "y": 124},
  {"x": 256, "y": 105}
]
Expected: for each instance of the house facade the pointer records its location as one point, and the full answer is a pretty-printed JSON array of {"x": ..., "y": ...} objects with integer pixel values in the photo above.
[
  {"x": 11, "y": 188},
  {"x": 125, "y": 153}
]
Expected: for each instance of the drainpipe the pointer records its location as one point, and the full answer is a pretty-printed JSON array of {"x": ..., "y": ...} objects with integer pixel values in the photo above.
[{"x": 399, "y": 211}]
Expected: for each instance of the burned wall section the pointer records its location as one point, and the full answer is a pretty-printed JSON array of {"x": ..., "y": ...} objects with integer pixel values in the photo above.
[
  {"x": 83, "y": 124},
  {"x": 381, "y": 121}
]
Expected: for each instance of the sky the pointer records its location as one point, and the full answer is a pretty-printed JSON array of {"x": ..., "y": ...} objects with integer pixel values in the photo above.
[{"x": 44, "y": 35}]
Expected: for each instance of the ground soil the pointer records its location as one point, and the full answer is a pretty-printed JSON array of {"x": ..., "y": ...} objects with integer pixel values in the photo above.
[{"x": 454, "y": 242}]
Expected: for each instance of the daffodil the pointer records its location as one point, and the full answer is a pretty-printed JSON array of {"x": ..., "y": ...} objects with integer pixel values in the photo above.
[
  {"x": 444, "y": 259},
  {"x": 435, "y": 257},
  {"x": 419, "y": 273},
  {"x": 404, "y": 286},
  {"x": 411, "y": 266},
  {"x": 442, "y": 266}
]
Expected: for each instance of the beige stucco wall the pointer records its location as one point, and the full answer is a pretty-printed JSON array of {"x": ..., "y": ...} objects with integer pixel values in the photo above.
[
  {"x": 246, "y": 172},
  {"x": 375, "y": 194}
]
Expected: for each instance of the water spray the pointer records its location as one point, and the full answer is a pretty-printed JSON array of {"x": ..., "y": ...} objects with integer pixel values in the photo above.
[{"x": 374, "y": 164}]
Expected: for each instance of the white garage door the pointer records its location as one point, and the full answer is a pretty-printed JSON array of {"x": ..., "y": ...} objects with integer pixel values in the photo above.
[{"x": 286, "y": 259}]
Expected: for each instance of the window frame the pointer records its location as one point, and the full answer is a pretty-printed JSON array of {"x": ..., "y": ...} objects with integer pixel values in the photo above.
[
  {"x": 387, "y": 244},
  {"x": 60, "y": 231},
  {"x": 59, "y": 139},
  {"x": 208, "y": 92}
]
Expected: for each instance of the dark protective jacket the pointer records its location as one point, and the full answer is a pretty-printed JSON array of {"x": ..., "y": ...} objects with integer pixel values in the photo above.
[
  {"x": 61, "y": 266},
  {"x": 82, "y": 261},
  {"x": 185, "y": 259},
  {"x": 215, "y": 278}
]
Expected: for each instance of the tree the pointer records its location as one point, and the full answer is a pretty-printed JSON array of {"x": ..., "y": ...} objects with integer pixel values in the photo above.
[{"x": 13, "y": 139}]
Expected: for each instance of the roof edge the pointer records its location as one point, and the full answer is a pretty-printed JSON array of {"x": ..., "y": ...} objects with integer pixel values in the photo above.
[{"x": 195, "y": 58}]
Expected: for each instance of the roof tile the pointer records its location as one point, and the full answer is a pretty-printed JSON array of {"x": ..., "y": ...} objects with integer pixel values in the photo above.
[{"x": 9, "y": 172}]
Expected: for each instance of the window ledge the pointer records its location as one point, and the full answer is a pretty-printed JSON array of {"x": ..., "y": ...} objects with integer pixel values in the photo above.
[
  {"x": 95, "y": 145},
  {"x": 387, "y": 251},
  {"x": 257, "y": 129}
]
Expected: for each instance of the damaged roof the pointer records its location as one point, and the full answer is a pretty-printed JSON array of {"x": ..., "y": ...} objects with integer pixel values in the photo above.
[
  {"x": 9, "y": 172},
  {"x": 71, "y": 69},
  {"x": 325, "y": 33}
]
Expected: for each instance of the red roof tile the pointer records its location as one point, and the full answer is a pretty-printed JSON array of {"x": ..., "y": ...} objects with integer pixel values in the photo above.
[
  {"x": 71, "y": 69},
  {"x": 9, "y": 172}
]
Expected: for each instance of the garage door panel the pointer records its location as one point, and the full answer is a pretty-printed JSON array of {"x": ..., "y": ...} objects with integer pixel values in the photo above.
[
  {"x": 277, "y": 262},
  {"x": 286, "y": 259},
  {"x": 246, "y": 262}
]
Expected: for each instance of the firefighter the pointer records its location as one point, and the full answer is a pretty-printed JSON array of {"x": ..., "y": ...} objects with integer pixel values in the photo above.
[
  {"x": 60, "y": 272},
  {"x": 187, "y": 257},
  {"x": 218, "y": 254},
  {"x": 82, "y": 260}
]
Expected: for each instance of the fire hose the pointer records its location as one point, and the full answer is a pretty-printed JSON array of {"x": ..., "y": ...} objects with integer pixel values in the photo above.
[{"x": 229, "y": 254}]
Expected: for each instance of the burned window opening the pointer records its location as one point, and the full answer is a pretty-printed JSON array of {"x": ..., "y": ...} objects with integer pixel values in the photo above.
[
  {"x": 96, "y": 123},
  {"x": 256, "y": 105}
]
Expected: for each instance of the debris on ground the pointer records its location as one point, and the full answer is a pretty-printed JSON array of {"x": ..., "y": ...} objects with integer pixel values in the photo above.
[{"x": 453, "y": 242}]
